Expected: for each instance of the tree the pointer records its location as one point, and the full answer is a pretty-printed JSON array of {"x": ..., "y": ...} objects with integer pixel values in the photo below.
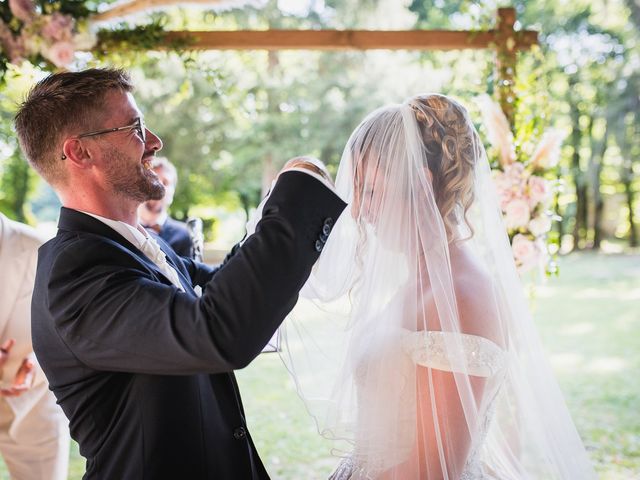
[{"x": 17, "y": 179}]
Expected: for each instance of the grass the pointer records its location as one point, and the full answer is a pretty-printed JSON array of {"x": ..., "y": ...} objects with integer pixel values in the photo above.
[{"x": 589, "y": 321}]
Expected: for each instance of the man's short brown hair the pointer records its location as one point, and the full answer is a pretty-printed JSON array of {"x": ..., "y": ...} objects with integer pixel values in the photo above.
[{"x": 62, "y": 105}]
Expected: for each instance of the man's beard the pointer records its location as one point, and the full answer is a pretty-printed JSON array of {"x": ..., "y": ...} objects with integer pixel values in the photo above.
[{"x": 132, "y": 181}]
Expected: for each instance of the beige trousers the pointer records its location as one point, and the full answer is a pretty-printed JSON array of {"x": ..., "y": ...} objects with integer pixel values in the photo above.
[{"x": 35, "y": 447}]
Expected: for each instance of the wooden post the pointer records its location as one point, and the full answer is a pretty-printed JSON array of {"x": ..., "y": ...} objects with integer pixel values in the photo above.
[{"x": 506, "y": 55}]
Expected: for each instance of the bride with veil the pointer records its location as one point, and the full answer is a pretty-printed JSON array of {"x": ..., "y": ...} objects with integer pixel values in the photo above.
[{"x": 412, "y": 344}]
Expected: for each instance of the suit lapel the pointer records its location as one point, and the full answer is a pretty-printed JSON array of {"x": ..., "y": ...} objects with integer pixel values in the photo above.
[
  {"x": 175, "y": 262},
  {"x": 74, "y": 221}
]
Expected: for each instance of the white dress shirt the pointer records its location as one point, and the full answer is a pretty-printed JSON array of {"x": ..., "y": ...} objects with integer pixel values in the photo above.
[{"x": 145, "y": 243}]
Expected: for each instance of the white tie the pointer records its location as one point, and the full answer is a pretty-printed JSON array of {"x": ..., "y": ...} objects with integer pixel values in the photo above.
[{"x": 152, "y": 250}]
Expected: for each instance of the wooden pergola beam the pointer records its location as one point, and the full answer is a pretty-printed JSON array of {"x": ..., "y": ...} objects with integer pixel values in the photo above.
[
  {"x": 504, "y": 40},
  {"x": 347, "y": 39}
]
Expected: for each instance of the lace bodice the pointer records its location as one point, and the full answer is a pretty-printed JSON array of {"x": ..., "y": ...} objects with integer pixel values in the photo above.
[{"x": 478, "y": 356}]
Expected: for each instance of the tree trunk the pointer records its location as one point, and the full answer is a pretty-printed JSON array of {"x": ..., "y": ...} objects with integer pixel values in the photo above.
[
  {"x": 579, "y": 227},
  {"x": 633, "y": 234},
  {"x": 627, "y": 179},
  {"x": 558, "y": 213},
  {"x": 597, "y": 159},
  {"x": 597, "y": 213}
]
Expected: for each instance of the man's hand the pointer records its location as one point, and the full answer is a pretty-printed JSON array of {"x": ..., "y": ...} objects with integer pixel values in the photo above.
[
  {"x": 5, "y": 349},
  {"x": 24, "y": 376},
  {"x": 309, "y": 163}
]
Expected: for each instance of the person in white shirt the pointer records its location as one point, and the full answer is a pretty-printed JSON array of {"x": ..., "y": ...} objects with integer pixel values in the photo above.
[
  {"x": 34, "y": 436},
  {"x": 154, "y": 214}
]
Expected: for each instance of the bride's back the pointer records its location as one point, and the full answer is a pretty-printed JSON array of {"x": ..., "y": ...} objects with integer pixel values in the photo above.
[{"x": 475, "y": 300}]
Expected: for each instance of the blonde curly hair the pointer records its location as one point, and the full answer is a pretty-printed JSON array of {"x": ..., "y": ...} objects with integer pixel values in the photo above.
[{"x": 453, "y": 147}]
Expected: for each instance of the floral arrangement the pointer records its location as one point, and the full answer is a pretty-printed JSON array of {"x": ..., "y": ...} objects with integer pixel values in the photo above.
[
  {"x": 49, "y": 33},
  {"x": 524, "y": 193}
]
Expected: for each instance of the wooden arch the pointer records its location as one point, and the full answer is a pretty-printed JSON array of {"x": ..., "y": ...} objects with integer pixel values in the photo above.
[{"x": 504, "y": 39}]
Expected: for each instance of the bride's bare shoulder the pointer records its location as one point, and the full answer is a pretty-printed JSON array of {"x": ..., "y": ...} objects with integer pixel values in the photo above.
[{"x": 475, "y": 296}]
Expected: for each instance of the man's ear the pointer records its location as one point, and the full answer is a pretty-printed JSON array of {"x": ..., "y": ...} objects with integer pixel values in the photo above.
[{"x": 75, "y": 152}]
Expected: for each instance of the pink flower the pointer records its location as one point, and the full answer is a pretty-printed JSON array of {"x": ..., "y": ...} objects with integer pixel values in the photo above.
[
  {"x": 525, "y": 252},
  {"x": 506, "y": 197},
  {"x": 517, "y": 177},
  {"x": 23, "y": 9},
  {"x": 540, "y": 225},
  {"x": 515, "y": 172},
  {"x": 16, "y": 51},
  {"x": 538, "y": 190},
  {"x": 12, "y": 45},
  {"x": 503, "y": 189},
  {"x": 58, "y": 27},
  {"x": 517, "y": 213},
  {"x": 84, "y": 40},
  {"x": 61, "y": 54}
]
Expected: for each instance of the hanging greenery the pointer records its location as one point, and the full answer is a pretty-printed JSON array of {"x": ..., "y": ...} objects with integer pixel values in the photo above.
[{"x": 49, "y": 33}]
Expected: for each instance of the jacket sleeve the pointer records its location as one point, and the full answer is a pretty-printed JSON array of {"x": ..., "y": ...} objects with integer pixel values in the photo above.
[{"x": 113, "y": 316}]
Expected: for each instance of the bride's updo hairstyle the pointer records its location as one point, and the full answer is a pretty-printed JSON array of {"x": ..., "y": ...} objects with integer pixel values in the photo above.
[
  {"x": 387, "y": 146},
  {"x": 452, "y": 149}
]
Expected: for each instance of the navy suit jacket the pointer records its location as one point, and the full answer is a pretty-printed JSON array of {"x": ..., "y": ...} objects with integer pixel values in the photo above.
[
  {"x": 143, "y": 371},
  {"x": 176, "y": 234}
]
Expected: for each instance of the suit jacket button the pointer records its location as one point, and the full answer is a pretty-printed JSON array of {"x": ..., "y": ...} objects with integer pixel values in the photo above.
[
  {"x": 319, "y": 246},
  {"x": 323, "y": 238},
  {"x": 326, "y": 229},
  {"x": 239, "y": 433},
  {"x": 328, "y": 221}
]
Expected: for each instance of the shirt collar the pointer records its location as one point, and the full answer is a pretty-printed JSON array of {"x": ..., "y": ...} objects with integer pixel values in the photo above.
[
  {"x": 162, "y": 218},
  {"x": 137, "y": 236}
]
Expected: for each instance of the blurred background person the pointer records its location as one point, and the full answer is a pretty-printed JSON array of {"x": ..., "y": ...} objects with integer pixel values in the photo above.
[
  {"x": 34, "y": 435},
  {"x": 154, "y": 214}
]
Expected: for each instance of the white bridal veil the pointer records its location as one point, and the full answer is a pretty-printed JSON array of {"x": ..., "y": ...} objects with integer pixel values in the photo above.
[{"x": 412, "y": 345}]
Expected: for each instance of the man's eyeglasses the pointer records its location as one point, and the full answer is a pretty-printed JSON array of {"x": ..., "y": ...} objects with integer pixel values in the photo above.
[{"x": 137, "y": 125}]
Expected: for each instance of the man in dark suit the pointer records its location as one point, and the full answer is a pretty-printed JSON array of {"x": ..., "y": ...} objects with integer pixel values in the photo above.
[
  {"x": 154, "y": 214},
  {"x": 142, "y": 366}
]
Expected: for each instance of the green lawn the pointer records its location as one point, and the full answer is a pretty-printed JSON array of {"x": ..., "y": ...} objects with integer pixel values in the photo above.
[{"x": 589, "y": 319}]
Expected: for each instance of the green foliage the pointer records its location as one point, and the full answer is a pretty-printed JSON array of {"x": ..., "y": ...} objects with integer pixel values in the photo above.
[
  {"x": 591, "y": 60},
  {"x": 17, "y": 179},
  {"x": 124, "y": 38},
  {"x": 15, "y": 185},
  {"x": 438, "y": 14}
]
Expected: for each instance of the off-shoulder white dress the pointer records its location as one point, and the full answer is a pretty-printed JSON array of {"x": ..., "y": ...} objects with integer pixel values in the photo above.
[{"x": 482, "y": 358}]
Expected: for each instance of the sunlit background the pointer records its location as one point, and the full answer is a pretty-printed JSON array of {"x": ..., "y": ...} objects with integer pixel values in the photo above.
[{"x": 230, "y": 119}]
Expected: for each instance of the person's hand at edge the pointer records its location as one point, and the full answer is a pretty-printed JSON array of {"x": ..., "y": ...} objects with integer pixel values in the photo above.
[{"x": 308, "y": 163}]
